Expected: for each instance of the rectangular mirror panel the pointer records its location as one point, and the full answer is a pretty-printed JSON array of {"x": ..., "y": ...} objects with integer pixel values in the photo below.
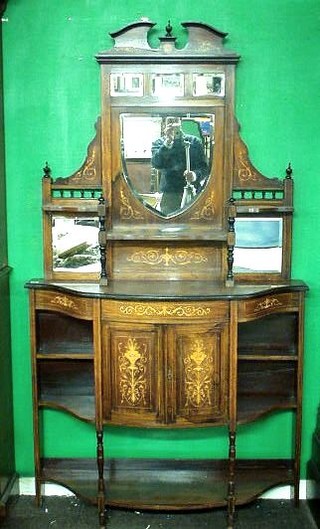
[
  {"x": 209, "y": 84},
  {"x": 258, "y": 245},
  {"x": 75, "y": 246},
  {"x": 126, "y": 84},
  {"x": 167, "y": 85}
]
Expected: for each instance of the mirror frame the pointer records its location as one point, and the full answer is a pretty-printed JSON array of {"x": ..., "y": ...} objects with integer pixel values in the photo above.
[
  {"x": 152, "y": 175},
  {"x": 206, "y": 227}
]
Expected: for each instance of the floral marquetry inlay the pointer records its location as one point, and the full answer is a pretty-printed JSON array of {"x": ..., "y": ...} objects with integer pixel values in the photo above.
[
  {"x": 207, "y": 211},
  {"x": 132, "y": 363},
  {"x": 64, "y": 301},
  {"x": 245, "y": 171},
  {"x": 127, "y": 211},
  {"x": 199, "y": 376},
  {"x": 167, "y": 257},
  {"x": 267, "y": 303},
  {"x": 180, "y": 311},
  {"x": 88, "y": 172}
]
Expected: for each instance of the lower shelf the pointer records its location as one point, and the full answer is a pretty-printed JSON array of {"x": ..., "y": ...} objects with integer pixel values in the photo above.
[{"x": 159, "y": 484}]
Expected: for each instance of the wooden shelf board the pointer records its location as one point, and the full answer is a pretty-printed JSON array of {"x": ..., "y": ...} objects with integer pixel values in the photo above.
[
  {"x": 155, "y": 232},
  {"x": 168, "y": 484},
  {"x": 65, "y": 356},
  {"x": 80, "y": 406},
  {"x": 251, "y": 407},
  {"x": 267, "y": 357}
]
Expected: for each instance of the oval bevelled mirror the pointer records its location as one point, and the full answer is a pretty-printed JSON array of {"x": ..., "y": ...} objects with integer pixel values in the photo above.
[{"x": 167, "y": 158}]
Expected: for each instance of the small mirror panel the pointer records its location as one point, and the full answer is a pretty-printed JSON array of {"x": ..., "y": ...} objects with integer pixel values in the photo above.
[
  {"x": 209, "y": 84},
  {"x": 167, "y": 158},
  {"x": 167, "y": 85},
  {"x": 258, "y": 246},
  {"x": 126, "y": 84},
  {"x": 75, "y": 246}
]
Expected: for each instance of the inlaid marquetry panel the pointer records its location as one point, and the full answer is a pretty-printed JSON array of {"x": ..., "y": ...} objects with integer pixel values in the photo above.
[
  {"x": 166, "y": 261},
  {"x": 65, "y": 303},
  {"x": 167, "y": 256},
  {"x": 133, "y": 371},
  {"x": 133, "y": 364},
  {"x": 163, "y": 311},
  {"x": 268, "y": 304},
  {"x": 207, "y": 210},
  {"x": 202, "y": 360},
  {"x": 128, "y": 210},
  {"x": 201, "y": 379}
]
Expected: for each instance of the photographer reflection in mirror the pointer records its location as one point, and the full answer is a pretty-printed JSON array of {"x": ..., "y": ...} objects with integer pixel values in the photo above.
[{"x": 181, "y": 159}]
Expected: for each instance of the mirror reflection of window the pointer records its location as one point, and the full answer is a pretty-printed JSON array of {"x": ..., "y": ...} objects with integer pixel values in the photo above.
[
  {"x": 211, "y": 84},
  {"x": 127, "y": 84},
  {"x": 258, "y": 246},
  {"x": 138, "y": 133},
  {"x": 167, "y": 85},
  {"x": 75, "y": 244},
  {"x": 167, "y": 158}
]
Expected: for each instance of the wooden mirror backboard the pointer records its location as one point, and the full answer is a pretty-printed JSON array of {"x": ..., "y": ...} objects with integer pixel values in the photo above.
[{"x": 169, "y": 163}]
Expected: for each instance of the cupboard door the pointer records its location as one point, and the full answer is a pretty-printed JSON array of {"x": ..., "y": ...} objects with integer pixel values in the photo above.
[
  {"x": 198, "y": 382},
  {"x": 132, "y": 378}
]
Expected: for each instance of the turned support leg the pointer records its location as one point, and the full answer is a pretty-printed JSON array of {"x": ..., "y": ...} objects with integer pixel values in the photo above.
[
  {"x": 231, "y": 482},
  {"x": 38, "y": 487},
  {"x": 101, "y": 487},
  {"x": 230, "y": 242}
]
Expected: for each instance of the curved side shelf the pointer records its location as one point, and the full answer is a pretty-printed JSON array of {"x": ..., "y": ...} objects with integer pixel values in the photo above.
[
  {"x": 270, "y": 405},
  {"x": 67, "y": 385},
  {"x": 84, "y": 409}
]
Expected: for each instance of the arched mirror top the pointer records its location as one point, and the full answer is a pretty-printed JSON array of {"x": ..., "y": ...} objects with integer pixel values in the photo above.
[{"x": 203, "y": 39}]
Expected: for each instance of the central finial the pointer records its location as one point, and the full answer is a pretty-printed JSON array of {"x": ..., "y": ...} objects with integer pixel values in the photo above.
[{"x": 169, "y": 29}]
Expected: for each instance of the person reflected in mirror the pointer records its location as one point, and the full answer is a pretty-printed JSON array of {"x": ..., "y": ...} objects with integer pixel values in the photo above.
[{"x": 183, "y": 166}]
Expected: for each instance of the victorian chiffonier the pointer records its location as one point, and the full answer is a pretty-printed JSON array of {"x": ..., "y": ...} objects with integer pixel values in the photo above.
[{"x": 167, "y": 300}]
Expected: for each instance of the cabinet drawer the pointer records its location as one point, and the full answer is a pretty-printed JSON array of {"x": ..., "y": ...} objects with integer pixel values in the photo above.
[
  {"x": 167, "y": 311},
  {"x": 268, "y": 304},
  {"x": 66, "y": 303}
]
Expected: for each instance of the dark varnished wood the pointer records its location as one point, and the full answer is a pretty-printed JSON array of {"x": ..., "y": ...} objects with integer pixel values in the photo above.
[
  {"x": 167, "y": 290},
  {"x": 250, "y": 337},
  {"x": 67, "y": 385},
  {"x": 205, "y": 43},
  {"x": 167, "y": 484},
  {"x": 168, "y": 335}
]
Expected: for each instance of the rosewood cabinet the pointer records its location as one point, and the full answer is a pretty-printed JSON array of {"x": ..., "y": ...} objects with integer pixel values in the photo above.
[
  {"x": 226, "y": 357},
  {"x": 165, "y": 371},
  {"x": 167, "y": 299}
]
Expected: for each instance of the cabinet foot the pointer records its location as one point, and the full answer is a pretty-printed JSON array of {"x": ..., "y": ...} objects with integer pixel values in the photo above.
[
  {"x": 38, "y": 494},
  {"x": 102, "y": 520}
]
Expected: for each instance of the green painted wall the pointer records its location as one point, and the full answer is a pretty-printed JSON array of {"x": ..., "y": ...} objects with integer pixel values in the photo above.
[
  {"x": 51, "y": 84},
  {"x": 3, "y": 213}
]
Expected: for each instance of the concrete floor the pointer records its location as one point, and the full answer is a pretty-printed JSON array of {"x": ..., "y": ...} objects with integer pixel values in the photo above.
[{"x": 69, "y": 513}]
